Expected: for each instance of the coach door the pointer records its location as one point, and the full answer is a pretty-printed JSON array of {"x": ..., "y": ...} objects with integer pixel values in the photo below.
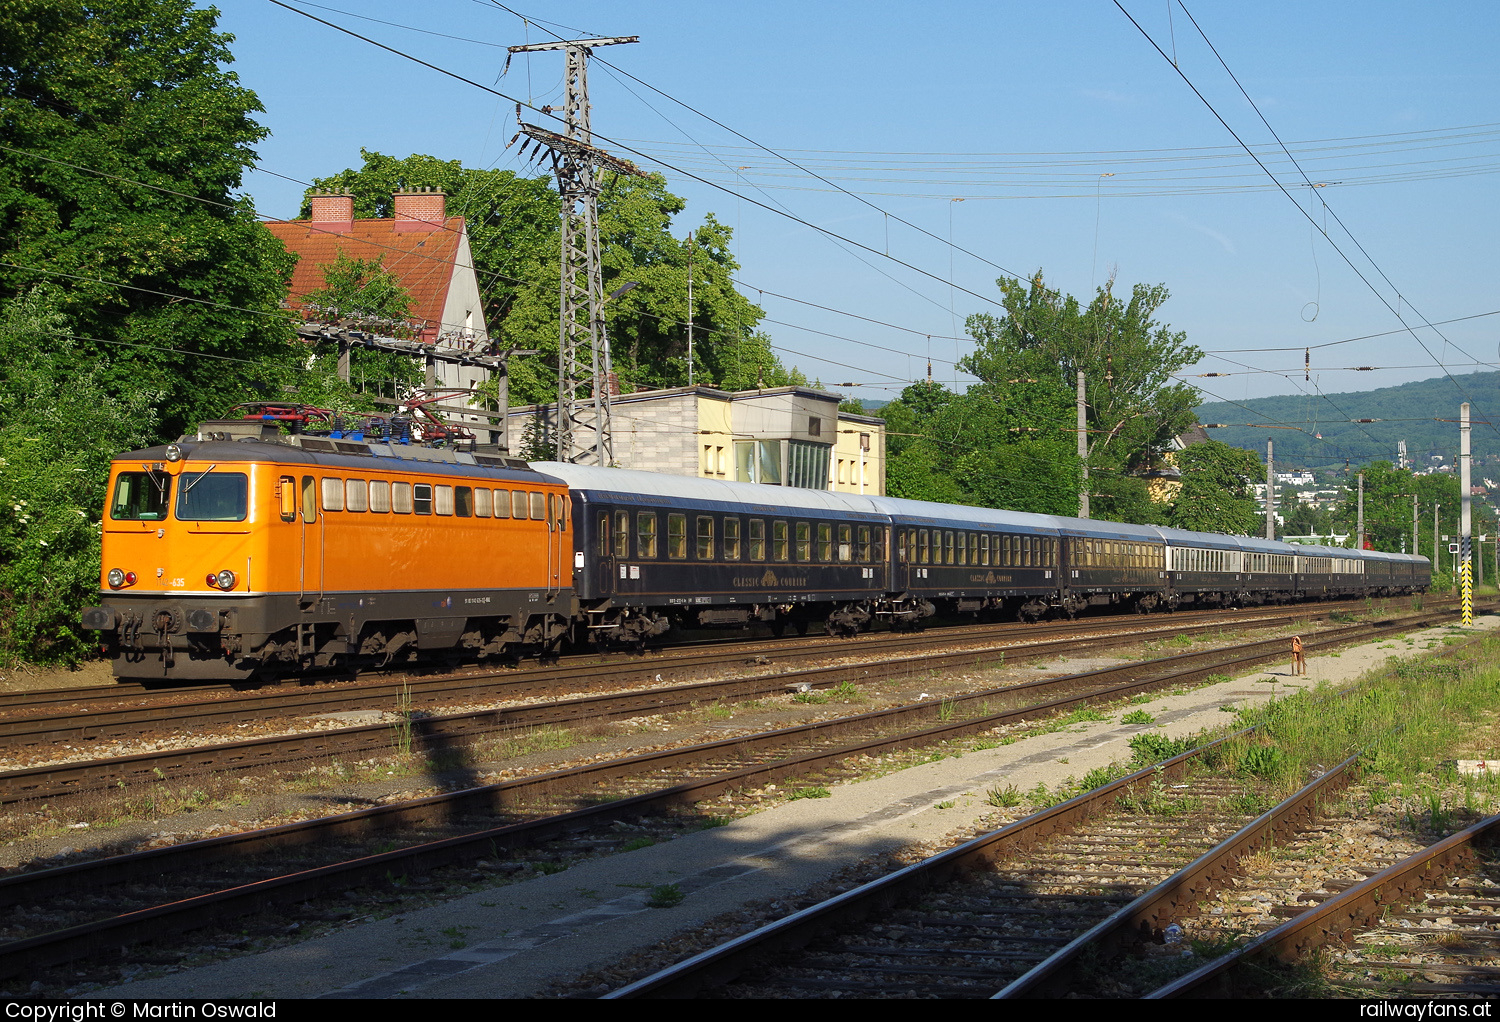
[
  {"x": 310, "y": 544},
  {"x": 557, "y": 545},
  {"x": 604, "y": 544}
]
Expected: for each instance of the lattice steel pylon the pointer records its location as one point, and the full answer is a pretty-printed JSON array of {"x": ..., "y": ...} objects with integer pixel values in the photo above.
[{"x": 583, "y": 363}]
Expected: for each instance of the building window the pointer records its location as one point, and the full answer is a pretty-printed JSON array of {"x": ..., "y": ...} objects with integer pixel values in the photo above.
[
  {"x": 814, "y": 426},
  {"x": 757, "y": 461},
  {"x": 807, "y": 464}
]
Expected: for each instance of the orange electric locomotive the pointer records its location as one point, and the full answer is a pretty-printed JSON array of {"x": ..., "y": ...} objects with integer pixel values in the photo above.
[{"x": 243, "y": 549}]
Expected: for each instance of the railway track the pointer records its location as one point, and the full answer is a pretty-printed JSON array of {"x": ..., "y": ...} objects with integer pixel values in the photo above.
[
  {"x": 1422, "y": 926},
  {"x": 23, "y": 710},
  {"x": 450, "y": 732},
  {"x": 456, "y": 829},
  {"x": 1040, "y": 907}
]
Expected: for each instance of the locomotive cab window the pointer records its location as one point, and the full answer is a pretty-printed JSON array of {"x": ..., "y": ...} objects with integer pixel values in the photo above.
[
  {"x": 141, "y": 497},
  {"x": 380, "y": 496},
  {"x": 538, "y": 507},
  {"x": 213, "y": 497},
  {"x": 442, "y": 500},
  {"x": 333, "y": 495},
  {"x": 309, "y": 499},
  {"x": 483, "y": 502},
  {"x": 518, "y": 503}
]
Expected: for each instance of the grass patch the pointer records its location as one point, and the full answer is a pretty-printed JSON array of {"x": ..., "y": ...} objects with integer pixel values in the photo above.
[
  {"x": 665, "y": 896},
  {"x": 637, "y": 842},
  {"x": 814, "y": 698},
  {"x": 1137, "y": 717},
  {"x": 1007, "y": 797},
  {"x": 797, "y": 793}
]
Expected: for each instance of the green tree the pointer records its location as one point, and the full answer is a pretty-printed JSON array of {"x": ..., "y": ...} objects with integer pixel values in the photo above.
[
  {"x": 514, "y": 234},
  {"x": 125, "y": 139},
  {"x": 1215, "y": 494},
  {"x": 59, "y": 427},
  {"x": 1010, "y": 440},
  {"x": 1129, "y": 361},
  {"x": 1388, "y": 504}
]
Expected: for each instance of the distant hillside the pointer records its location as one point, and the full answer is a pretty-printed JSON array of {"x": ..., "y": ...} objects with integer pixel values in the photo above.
[{"x": 1408, "y": 413}]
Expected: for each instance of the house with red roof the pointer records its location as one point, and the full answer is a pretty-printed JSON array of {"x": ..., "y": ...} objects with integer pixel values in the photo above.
[{"x": 427, "y": 252}]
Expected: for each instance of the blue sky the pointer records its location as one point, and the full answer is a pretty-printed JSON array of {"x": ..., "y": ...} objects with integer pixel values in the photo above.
[{"x": 1073, "y": 146}]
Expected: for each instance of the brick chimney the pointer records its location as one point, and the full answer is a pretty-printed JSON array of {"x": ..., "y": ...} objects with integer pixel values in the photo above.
[
  {"x": 421, "y": 209},
  {"x": 332, "y": 212}
]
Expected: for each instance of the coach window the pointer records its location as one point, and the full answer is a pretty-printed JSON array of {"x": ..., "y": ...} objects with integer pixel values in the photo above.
[
  {"x": 825, "y": 542},
  {"x": 463, "y": 501},
  {"x": 356, "y": 495},
  {"x": 731, "y": 539},
  {"x": 984, "y": 549},
  {"x": 603, "y": 533},
  {"x": 864, "y": 544},
  {"x": 538, "y": 507},
  {"x": 645, "y": 534},
  {"x": 757, "y": 539},
  {"x": 677, "y": 537},
  {"x": 779, "y": 545},
  {"x": 804, "y": 542},
  {"x": 705, "y": 538},
  {"x": 443, "y": 500},
  {"x": 901, "y": 546},
  {"x": 422, "y": 498},
  {"x": 846, "y": 546},
  {"x": 963, "y": 548},
  {"x": 380, "y": 496},
  {"x": 948, "y": 547},
  {"x": 622, "y": 534},
  {"x": 401, "y": 498},
  {"x": 483, "y": 502},
  {"x": 880, "y": 543},
  {"x": 922, "y": 550},
  {"x": 333, "y": 494}
]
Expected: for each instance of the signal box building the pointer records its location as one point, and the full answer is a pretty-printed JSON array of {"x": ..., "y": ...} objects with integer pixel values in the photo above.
[{"x": 784, "y": 436}]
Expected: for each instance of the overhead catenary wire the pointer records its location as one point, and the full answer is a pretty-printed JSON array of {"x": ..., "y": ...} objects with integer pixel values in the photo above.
[{"x": 1282, "y": 188}]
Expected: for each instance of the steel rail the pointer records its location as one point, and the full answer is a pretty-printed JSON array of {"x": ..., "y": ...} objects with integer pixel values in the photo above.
[
  {"x": 36, "y": 732},
  {"x": 88, "y": 939},
  {"x": 445, "y": 731},
  {"x": 1147, "y": 916},
  {"x": 708, "y": 650},
  {"x": 1142, "y": 918},
  {"x": 1355, "y": 907}
]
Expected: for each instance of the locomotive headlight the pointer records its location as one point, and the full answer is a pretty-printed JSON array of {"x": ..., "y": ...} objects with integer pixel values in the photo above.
[
  {"x": 226, "y": 579},
  {"x": 116, "y": 578},
  {"x": 174, "y": 453}
]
